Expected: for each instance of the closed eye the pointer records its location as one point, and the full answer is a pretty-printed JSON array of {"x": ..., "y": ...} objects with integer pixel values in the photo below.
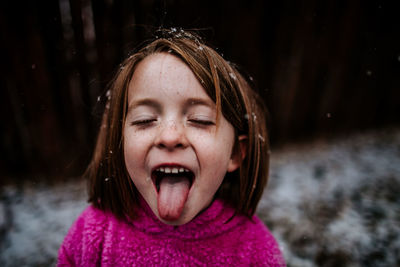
[
  {"x": 143, "y": 122},
  {"x": 202, "y": 122}
]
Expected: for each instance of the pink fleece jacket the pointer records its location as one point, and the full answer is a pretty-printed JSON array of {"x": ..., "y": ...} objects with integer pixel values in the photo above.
[{"x": 99, "y": 238}]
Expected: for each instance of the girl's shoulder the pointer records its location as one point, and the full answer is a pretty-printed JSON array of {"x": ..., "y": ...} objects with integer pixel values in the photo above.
[
  {"x": 91, "y": 221},
  {"x": 85, "y": 237},
  {"x": 261, "y": 243},
  {"x": 92, "y": 215}
]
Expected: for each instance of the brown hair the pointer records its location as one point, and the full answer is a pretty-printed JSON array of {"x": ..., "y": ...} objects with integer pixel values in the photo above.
[{"x": 110, "y": 187}]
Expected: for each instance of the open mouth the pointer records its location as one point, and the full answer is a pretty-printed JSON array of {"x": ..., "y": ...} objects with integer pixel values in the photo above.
[
  {"x": 173, "y": 184},
  {"x": 174, "y": 174}
]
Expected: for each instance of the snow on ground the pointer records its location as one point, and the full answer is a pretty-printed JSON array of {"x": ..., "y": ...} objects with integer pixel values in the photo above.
[
  {"x": 35, "y": 219},
  {"x": 337, "y": 203},
  {"x": 328, "y": 203}
]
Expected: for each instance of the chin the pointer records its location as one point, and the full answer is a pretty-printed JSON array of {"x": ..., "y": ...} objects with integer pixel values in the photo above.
[{"x": 173, "y": 223}]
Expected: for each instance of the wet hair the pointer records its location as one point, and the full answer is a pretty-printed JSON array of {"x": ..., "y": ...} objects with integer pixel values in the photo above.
[{"x": 110, "y": 187}]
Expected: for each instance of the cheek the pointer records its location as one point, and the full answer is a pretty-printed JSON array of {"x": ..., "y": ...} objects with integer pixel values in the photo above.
[
  {"x": 135, "y": 139},
  {"x": 133, "y": 148},
  {"x": 215, "y": 151}
]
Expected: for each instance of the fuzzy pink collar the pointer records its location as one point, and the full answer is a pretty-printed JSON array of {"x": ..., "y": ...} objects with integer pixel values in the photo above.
[{"x": 213, "y": 221}]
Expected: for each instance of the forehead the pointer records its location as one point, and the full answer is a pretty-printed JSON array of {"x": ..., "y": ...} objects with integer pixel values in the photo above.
[{"x": 164, "y": 75}]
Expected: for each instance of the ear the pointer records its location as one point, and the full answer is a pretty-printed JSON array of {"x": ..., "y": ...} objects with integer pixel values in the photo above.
[{"x": 238, "y": 153}]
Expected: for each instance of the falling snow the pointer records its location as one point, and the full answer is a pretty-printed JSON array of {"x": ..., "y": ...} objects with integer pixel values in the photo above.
[
  {"x": 233, "y": 76},
  {"x": 254, "y": 116}
]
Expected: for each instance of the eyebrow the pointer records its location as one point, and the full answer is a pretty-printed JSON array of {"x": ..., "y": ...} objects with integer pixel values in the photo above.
[
  {"x": 156, "y": 105},
  {"x": 200, "y": 102},
  {"x": 144, "y": 102}
]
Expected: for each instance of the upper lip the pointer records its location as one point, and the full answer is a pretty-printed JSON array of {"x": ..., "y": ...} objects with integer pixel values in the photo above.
[{"x": 172, "y": 167}]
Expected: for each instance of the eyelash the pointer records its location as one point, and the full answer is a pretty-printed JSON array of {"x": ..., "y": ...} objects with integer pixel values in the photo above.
[
  {"x": 143, "y": 122},
  {"x": 194, "y": 121},
  {"x": 202, "y": 122}
]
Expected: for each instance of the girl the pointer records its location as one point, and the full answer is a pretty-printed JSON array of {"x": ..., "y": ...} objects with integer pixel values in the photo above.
[{"x": 180, "y": 164}]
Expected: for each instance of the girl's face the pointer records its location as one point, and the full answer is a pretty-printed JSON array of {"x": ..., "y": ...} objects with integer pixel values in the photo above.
[{"x": 175, "y": 153}]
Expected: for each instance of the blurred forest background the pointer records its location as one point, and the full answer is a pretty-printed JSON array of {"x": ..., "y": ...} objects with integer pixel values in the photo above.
[{"x": 324, "y": 68}]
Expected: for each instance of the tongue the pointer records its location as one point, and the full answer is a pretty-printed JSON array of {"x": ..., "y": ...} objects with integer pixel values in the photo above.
[{"x": 172, "y": 197}]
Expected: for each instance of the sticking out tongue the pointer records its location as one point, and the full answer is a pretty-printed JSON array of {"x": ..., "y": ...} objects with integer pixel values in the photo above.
[{"x": 172, "y": 196}]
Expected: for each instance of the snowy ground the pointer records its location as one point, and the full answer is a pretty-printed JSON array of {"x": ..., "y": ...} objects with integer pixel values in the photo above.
[{"x": 333, "y": 203}]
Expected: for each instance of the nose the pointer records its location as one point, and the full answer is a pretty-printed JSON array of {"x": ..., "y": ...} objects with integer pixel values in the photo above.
[{"x": 171, "y": 136}]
